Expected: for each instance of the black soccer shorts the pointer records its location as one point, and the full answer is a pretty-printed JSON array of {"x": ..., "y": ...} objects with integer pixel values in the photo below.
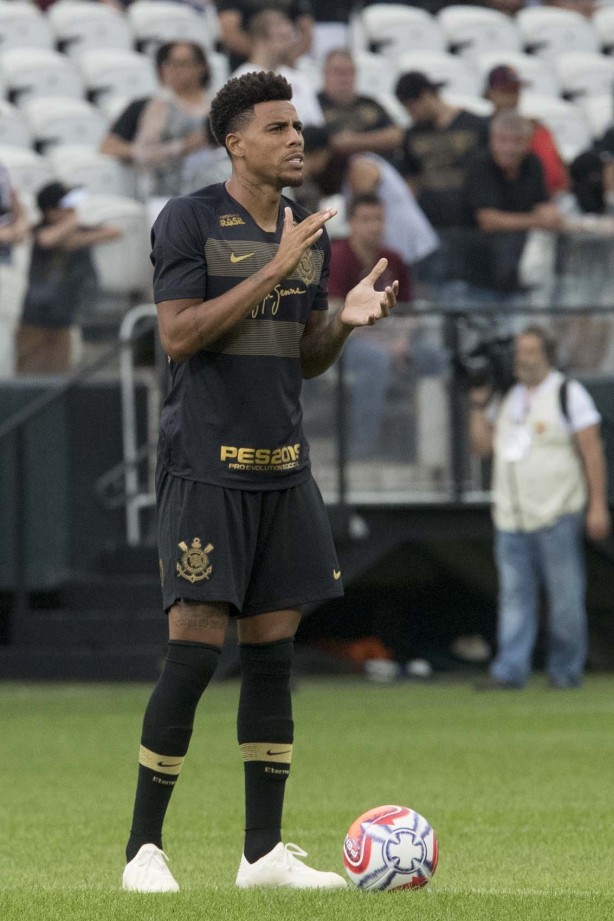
[{"x": 259, "y": 551}]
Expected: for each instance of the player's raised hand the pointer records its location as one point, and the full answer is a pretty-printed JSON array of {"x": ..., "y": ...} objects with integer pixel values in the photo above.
[
  {"x": 297, "y": 238},
  {"x": 363, "y": 305}
]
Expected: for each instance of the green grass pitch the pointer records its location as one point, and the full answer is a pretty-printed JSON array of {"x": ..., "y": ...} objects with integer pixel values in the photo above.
[{"x": 519, "y": 787}]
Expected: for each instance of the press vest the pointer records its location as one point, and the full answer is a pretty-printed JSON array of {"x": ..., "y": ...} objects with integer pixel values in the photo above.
[{"x": 537, "y": 474}]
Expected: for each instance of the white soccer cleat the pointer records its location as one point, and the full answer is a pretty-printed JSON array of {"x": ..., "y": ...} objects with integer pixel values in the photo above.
[
  {"x": 148, "y": 872},
  {"x": 280, "y": 867}
]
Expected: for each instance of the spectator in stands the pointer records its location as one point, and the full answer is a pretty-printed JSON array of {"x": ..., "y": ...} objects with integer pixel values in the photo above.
[
  {"x": 14, "y": 227},
  {"x": 549, "y": 490},
  {"x": 234, "y": 17},
  {"x": 407, "y": 229},
  {"x": 171, "y": 125},
  {"x": 273, "y": 47},
  {"x": 368, "y": 359},
  {"x": 504, "y": 197},
  {"x": 433, "y": 158},
  {"x": 62, "y": 281},
  {"x": 356, "y": 122},
  {"x": 503, "y": 88},
  {"x": 119, "y": 139}
]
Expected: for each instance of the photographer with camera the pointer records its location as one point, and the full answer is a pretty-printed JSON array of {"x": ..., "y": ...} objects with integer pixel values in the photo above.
[{"x": 548, "y": 490}]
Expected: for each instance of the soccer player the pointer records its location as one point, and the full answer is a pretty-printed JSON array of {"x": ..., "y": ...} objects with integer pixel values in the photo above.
[{"x": 240, "y": 283}]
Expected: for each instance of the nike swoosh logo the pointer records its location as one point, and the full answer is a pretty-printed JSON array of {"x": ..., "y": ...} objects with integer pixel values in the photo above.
[
  {"x": 169, "y": 764},
  {"x": 336, "y": 574},
  {"x": 234, "y": 258},
  {"x": 286, "y": 752}
]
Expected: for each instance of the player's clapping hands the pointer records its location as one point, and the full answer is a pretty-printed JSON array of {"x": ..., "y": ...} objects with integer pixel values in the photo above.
[{"x": 363, "y": 305}]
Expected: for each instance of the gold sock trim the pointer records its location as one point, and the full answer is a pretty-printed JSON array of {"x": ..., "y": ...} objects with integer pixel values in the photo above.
[
  {"x": 161, "y": 764},
  {"x": 277, "y": 752}
]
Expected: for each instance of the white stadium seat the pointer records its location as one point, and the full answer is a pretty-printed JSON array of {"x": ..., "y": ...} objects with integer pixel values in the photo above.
[
  {"x": 29, "y": 171},
  {"x": 107, "y": 73},
  {"x": 122, "y": 265},
  {"x": 79, "y": 25},
  {"x": 391, "y": 29},
  {"x": 29, "y": 73},
  {"x": 60, "y": 120},
  {"x": 219, "y": 66},
  {"x": 584, "y": 73},
  {"x": 80, "y": 165},
  {"x": 374, "y": 73},
  {"x": 14, "y": 127},
  {"x": 537, "y": 73},
  {"x": 548, "y": 31},
  {"x": 470, "y": 30},
  {"x": 22, "y": 25},
  {"x": 155, "y": 22},
  {"x": 598, "y": 111},
  {"x": 458, "y": 75},
  {"x": 603, "y": 23},
  {"x": 566, "y": 121},
  {"x": 476, "y": 104}
]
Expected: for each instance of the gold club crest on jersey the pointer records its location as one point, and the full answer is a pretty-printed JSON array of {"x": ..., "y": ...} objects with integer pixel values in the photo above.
[
  {"x": 306, "y": 268},
  {"x": 195, "y": 564}
]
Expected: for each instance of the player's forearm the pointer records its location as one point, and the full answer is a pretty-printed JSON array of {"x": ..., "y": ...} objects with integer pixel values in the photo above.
[
  {"x": 189, "y": 327},
  {"x": 321, "y": 347}
]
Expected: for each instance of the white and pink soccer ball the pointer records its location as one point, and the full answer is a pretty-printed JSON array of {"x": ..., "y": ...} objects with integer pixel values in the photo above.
[{"x": 390, "y": 847}]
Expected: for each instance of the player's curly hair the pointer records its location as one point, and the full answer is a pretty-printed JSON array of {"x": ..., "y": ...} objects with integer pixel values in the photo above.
[{"x": 234, "y": 104}]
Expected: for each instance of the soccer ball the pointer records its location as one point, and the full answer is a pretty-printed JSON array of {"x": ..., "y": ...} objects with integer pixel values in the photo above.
[{"x": 390, "y": 847}]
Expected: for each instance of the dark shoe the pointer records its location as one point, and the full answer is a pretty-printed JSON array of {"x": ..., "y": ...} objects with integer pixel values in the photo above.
[{"x": 495, "y": 684}]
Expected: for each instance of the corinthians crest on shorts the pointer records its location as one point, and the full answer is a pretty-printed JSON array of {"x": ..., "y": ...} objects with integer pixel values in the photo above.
[{"x": 195, "y": 564}]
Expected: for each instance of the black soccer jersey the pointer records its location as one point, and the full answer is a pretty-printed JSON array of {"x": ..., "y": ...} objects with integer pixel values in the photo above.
[{"x": 233, "y": 415}]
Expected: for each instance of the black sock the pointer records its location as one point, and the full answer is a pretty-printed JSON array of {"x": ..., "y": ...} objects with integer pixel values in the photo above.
[
  {"x": 265, "y": 732},
  {"x": 167, "y": 729}
]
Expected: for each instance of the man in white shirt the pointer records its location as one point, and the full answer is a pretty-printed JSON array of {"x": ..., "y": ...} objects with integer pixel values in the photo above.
[
  {"x": 274, "y": 44},
  {"x": 548, "y": 490}
]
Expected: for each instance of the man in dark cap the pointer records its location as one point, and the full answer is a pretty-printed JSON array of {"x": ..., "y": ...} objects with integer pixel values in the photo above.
[{"x": 435, "y": 152}]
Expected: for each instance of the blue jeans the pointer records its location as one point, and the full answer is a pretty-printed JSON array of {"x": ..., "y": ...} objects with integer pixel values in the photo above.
[
  {"x": 552, "y": 557},
  {"x": 368, "y": 362}
]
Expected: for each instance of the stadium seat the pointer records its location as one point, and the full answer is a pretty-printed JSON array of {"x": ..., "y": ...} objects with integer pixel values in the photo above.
[
  {"x": 22, "y": 25},
  {"x": 29, "y": 73},
  {"x": 537, "y": 73},
  {"x": 547, "y": 31},
  {"x": 155, "y": 22},
  {"x": 603, "y": 23},
  {"x": 584, "y": 73},
  {"x": 456, "y": 73},
  {"x": 107, "y": 73},
  {"x": 14, "y": 127},
  {"x": 78, "y": 164},
  {"x": 374, "y": 73},
  {"x": 476, "y": 104},
  {"x": 29, "y": 171},
  {"x": 79, "y": 26},
  {"x": 392, "y": 29},
  {"x": 470, "y": 30},
  {"x": 61, "y": 120},
  {"x": 598, "y": 111},
  {"x": 123, "y": 265},
  {"x": 566, "y": 121},
  {"x": 220, "y": 70}
]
